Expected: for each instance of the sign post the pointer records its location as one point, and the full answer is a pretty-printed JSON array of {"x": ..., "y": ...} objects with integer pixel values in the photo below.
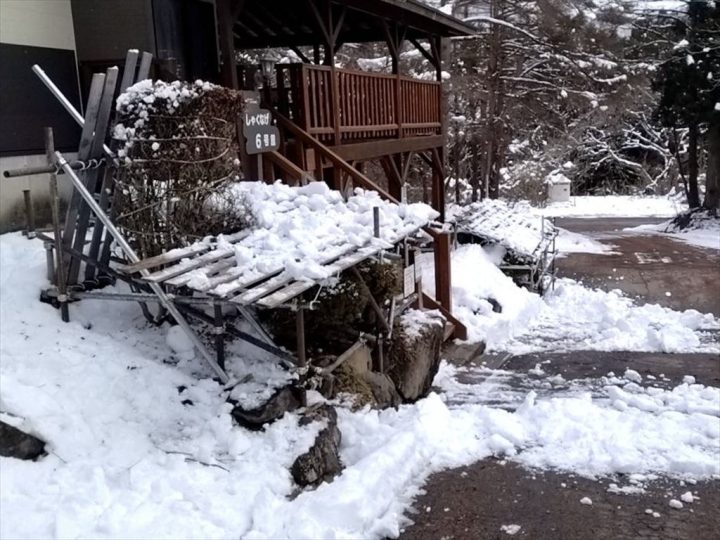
[{"x": 261, "y": 135}]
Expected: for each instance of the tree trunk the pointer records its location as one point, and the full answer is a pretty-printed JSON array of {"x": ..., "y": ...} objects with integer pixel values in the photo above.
[
  {"x": 693, "y": 195},
  {"x": 712, "y": 178}
]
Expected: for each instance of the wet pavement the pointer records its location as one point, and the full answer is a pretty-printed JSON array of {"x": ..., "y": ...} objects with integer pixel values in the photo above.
[
  {"x": 475, "y": 502},
  {"x": 645, "y": 266}
]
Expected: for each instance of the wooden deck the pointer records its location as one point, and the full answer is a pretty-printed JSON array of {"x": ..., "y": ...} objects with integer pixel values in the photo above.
[{"x": 339, "y": 106}]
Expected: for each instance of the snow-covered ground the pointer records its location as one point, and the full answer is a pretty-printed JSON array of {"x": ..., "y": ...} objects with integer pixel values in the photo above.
[
  {"x": 572, "y": 242},
  {"x": 142, "y": 445},
  {"x": 570, "y": 317},
  {"x": 707, "y": 235},
  {"x": 615, "y": 206}
]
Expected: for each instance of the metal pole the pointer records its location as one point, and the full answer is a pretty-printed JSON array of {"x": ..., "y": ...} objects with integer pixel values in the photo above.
[
  {"x": 133, "y": 257},
  {"x": 219, "y": 333},
  {"x": 301, "y": 349},
  {"x": 376, "y": 221},
  {"x": 65, "y": 102}
]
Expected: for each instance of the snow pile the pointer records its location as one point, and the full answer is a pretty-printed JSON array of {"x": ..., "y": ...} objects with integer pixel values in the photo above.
[
  {"x": 475, "y": 281},
  {"x": 572, "y": 242},
  {"x": 614, "y": 206},
  {"x": 514, "y": 227},
  {"x": 701, "y": 230},
  {"x": 142, "y": 449},
  {"x": 571, "y": 317},
  {"x": 299, "y": 229}
]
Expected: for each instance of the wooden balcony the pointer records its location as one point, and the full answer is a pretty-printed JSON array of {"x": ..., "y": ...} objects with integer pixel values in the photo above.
[{"x": 343, "y": 107}]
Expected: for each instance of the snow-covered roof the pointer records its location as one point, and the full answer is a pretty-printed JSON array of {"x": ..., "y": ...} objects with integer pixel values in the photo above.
[
  {"x": 516, "y": 228},
  {"x": 298, "y": 236}
]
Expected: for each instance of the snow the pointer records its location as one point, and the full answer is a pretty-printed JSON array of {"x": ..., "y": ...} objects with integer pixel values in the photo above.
[
  {"x": 413, "y": 320},
  {"x": 570, "y": 317},
  {"x": 511, "y": 529},
  {"x": 296, "y": 229},
  {"x": 141, "y": 442},
  {"x": 145, "y": 98},
  {"x": 180, "y": 343},
  {"x": 586, "y": 500},
  {"x": 674, "y": 503},
  {"x": 632, "y": 375},
  {"x": 614, "y": 206},
  {"x": 687, "y": 497},
  {"x": 572, "y": 242},
  {"x": 703, "y": 233},
  {"x": 511, "y": 225}
]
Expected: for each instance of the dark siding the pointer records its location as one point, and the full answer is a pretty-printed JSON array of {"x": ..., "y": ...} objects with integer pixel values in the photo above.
[{"x": 26, "y": 106}]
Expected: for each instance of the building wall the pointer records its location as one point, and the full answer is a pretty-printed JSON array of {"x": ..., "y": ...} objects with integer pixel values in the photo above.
[
  {"x": 38, "y": 23},
  {"x": 106, "y": 29},
  {"x": 39, "y": 27}
]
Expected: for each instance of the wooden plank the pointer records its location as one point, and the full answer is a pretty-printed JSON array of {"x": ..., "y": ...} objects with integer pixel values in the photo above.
[
  {"x": 129, "y": 70},
  {"x": 174, "y": 274},
  {"x": 164, "y": 258},
  {"x": 226, "y": 260},
  {"x": 178, "y": 254},
  {"x": 250, "y": 296},
  {"x": 291, "y": 291},
  {"x": 145, "y": 64},
  {"x": 361, "y": 151},
  {"x": 91, "y": 110},
  {"x": 102, "y": 123},
  {"x": 336, "y": 160}
]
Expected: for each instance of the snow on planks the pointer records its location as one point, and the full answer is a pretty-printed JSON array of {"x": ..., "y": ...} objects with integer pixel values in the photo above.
[{"x": 296, "y": 238}]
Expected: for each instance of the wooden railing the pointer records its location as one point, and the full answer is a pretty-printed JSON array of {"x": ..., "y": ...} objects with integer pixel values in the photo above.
[{"x": 354, "y": 106}]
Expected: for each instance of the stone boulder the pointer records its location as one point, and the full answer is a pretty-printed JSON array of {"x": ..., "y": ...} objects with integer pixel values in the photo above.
[
  {"x": 18, "y": 444},
  {"x": 286, "y": 399},
  {"x": 322, "y": 461},
  {"x": 414, "y": 356},
  {"x": 383, "y": 390}
]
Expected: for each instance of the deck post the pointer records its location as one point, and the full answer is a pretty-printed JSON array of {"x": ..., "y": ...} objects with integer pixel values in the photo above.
[{"x": 443, "y": 284}]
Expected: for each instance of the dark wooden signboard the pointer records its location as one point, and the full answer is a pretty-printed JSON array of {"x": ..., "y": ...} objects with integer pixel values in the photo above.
[{"x": 260, "y": 133}]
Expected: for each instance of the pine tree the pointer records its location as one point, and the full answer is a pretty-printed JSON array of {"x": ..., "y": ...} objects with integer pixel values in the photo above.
[{"x": 689, "y": 84}]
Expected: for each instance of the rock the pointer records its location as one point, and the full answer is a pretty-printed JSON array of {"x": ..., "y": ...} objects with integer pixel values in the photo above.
[
  {"x": 284, "y": 400},
  {"x": 18, "y": 444},
  {"x": 360, "y": 360},
  {"x": 414, "y": 356},
  {"x": 322, "y": 461},
  {"x": 463, "y": 352},
  {"x": 349, "y": 381},
  {"x": 496, "y": 307},
  {"x": 383, "y": 390}
]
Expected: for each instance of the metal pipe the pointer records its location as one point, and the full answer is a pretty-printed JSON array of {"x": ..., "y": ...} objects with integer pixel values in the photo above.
[
  {"x": 48, "y": 169},
  {"x": 133, "y": 258},
  {"x": 65, "y": 102}
]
